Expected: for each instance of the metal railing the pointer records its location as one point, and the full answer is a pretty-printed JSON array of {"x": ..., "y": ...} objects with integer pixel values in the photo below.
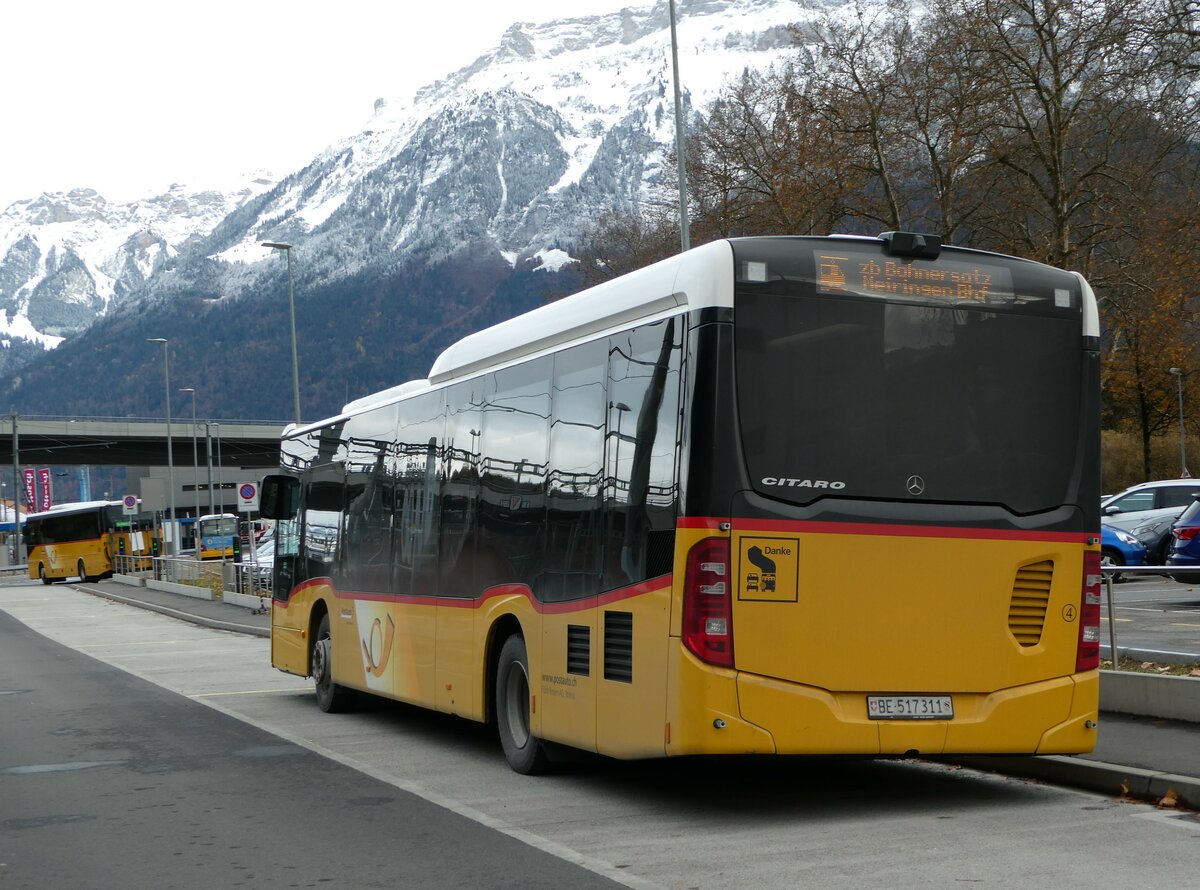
[{"x": 220, "y": 576}]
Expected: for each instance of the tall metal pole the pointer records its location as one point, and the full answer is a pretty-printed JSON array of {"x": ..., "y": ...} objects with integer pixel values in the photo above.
[
  {"x": 220, "y": 473},
  {"x": 212, "y": 504},
  {"x": 195, "y": 451},
  {"x": 1183, "y": 470},
  {"x": 680, "y": 148},
  {"x": 287, "y": 249},
  {"x": 18, "y": 491},
  {"x": 170, "y": 447}
]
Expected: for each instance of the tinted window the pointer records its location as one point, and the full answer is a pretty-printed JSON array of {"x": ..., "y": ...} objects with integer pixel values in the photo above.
[
  {"x": 846, "y": 394},
  {"x": 1176, "y": 495},
  {"x": 1138, "y": 500},
  {"x": 418, "y": 491},
  {"x": 369, "y": 455},
  {"x": 460, "y": 491},
  {"x": 516, "y": 416},
  {"x": 575, "y": 517},
  {"x": 1190, "y": 514},
  {"x": 643, "y": 418}
]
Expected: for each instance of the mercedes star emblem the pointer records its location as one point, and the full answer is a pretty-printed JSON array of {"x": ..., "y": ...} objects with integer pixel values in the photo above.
[{"x": 915, "y": 485}]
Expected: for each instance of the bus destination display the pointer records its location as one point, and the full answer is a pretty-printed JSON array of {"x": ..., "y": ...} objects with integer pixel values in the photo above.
[{"x": 948, "y": 281}]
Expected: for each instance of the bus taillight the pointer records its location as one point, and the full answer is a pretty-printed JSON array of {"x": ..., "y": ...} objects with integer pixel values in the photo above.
[
  {"x": 707, "y": 611},
  {"x": 1087, "y": 657}
]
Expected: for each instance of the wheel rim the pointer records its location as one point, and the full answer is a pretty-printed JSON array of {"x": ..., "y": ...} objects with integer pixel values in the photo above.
[
  {"x": 82, "y": 570},
  {"x": 42, "y": 572},
  {"x": 516, "y": 704},
  {"x": 321, "y": 663}
]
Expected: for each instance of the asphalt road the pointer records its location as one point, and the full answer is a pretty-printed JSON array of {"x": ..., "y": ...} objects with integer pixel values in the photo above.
[
  {"x": 296, "y": 797},
  {"x": 107, "y": 780},
  {"x": 1155, "y": 617}
]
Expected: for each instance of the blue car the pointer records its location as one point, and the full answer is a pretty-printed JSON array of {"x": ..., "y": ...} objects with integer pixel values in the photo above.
[
  {"x": 1185, "y": 546},
  {"x": 1119, "y": 548}
]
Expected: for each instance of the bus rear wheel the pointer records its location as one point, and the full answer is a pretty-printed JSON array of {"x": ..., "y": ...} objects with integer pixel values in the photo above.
[
  {"x": 331, "y": 698},
  {"x": 525, "y": 752},
  {"x": 83, "y": 572}
]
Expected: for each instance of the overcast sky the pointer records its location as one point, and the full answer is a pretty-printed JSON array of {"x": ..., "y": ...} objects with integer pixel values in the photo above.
[{"x": 128, "y": 96}]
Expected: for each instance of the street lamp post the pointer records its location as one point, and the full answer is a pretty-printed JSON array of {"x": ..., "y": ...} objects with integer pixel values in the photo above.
[
  {"x": 220, "y": 473},
  {"x": 287, "y": 249},
  {"x": 1183, "y": 470},
  {"x": 208, "y": 453},
  {"x": 685, "y": 240},
  {"x": 195, "y": 452},
  {"x": 170, "y": 452},
  {"x": 17, "y": 492}
]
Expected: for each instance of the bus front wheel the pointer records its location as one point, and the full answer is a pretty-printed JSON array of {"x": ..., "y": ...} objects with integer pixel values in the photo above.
[
  {"x": 524, "y": 751},
  {"x": 331, "y": 698},
  {"x": 83, "y": 572},
  {"x": 42, "y": 574}
]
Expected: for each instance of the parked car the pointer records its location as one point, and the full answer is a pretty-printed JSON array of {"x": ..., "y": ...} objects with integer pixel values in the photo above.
[
  {"x": 1120, "y": 548},
  {"x": 1185, "y": 549},
  {"x": 1148, "y": 509}
]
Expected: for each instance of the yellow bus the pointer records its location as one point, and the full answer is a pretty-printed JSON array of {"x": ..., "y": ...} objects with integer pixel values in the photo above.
[
  {"x": 73, "y": 541},
  {"x": 783, "y": 495}
]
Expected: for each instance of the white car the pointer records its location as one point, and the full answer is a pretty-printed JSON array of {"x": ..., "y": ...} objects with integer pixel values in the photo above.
[{"x": 1147, "y": 510}]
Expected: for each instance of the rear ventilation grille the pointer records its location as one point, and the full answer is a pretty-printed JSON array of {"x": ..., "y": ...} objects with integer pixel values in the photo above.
[
  {"x": 1030, "y": 597},
  {"x": 579, "y": 650},
  {"x": 618, "y": 646}
]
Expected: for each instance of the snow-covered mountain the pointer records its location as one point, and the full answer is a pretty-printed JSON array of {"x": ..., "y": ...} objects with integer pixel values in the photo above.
[
  {"x": 522, "y": 148},
  {"x": 510, "y": 158},
  {"x": 65, "y": 258}
]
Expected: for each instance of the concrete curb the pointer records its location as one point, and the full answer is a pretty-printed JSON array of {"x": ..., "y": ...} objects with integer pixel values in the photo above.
[
  {"x": 1150, "y": 695},
  {"x": 215, "y": 623},
  {"x": 1092, "y": 775}
]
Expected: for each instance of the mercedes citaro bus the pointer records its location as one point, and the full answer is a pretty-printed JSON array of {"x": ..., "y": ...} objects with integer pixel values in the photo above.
[{"x": 786, "y": 494}]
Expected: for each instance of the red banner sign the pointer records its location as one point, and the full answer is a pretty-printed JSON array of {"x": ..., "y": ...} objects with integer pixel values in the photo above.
[
  {"x": 30, "y": 478},
  {"x": 44, "y": 497}
]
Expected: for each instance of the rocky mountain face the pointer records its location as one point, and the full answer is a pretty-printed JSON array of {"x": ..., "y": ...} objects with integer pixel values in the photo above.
[
  {"x": 65, "y": 259},
  {"x": 478, "y": 179}
]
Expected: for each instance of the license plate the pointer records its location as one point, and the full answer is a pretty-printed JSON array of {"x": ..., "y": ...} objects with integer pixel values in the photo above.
[{"x": 910, "y": 707}]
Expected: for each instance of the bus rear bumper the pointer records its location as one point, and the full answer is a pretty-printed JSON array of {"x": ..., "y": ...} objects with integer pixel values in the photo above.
[
  {"x": 1055, "y": 716},
  {"x": 720, "y": 711}
]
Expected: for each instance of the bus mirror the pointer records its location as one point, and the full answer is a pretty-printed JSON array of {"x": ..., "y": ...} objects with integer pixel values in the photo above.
[{"x": 279, "y": 497}]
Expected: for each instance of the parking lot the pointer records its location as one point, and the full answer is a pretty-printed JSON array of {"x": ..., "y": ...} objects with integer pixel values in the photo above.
[{"x": 1154, "y": 618}]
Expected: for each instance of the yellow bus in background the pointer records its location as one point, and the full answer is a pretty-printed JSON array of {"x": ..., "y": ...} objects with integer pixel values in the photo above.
[
  {"x": 73, "y": 541},
  {"x": 772, "y": 495}
]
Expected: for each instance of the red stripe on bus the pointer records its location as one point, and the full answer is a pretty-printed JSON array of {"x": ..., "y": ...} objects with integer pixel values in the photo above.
[
  {"x": 884, "y": 529},
  {"x": 591, "y": 602}
]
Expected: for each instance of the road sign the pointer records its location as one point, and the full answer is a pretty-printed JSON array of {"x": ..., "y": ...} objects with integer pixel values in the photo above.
[
  {"x": 129, "y": 505},
  {"x": 247, "y": 497}
]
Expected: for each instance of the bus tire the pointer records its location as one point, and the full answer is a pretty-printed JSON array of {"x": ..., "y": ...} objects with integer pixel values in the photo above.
[
  {"x": 42, "y": 574},
  {"x": 331, "y": 698},
  {"x": 83, "y": 571},
  {"x": 525, "y": 752}
]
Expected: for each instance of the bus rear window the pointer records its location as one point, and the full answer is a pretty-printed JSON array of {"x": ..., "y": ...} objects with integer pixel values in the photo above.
[{"x": 954, "y": 381}]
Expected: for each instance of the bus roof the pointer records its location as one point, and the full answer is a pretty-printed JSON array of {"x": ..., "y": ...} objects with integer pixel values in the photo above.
[
  {"x": 68, "y": 509},
  {"x": 699, "y": 278}
]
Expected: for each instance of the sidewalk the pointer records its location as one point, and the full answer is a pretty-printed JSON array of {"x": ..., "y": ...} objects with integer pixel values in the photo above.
[{"x": 1141, "y": 758}]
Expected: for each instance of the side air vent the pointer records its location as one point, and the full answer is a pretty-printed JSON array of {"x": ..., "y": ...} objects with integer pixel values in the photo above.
[
  {"x": 1030, "y": 597},
  {"x": 618, "y": 646},
  {"x": 579, "y": 650}
]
